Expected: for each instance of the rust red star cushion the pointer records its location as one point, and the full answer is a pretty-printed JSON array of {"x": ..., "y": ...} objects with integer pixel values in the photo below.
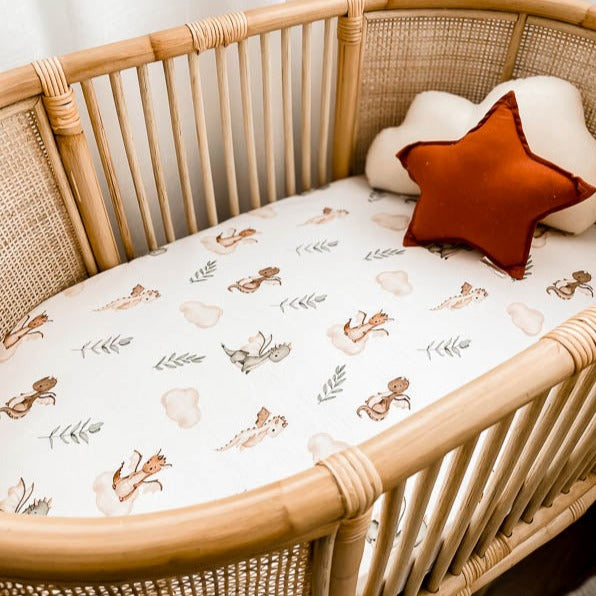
[{"x": 487, "y": 189}]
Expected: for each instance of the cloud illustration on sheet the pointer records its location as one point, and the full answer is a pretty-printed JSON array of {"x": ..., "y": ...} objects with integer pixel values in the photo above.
[
  {"x": 200, "y": 314},
  {"x": 395, "y": 282},
  {"x": 182, "y": 406},
  {"x": 530, "y": 321}
]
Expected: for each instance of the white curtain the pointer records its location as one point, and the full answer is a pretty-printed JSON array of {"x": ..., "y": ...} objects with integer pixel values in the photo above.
[{"x": 32, "y": 29}]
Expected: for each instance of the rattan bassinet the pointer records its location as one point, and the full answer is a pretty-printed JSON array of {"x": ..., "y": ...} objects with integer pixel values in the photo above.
[{"x": 306, "y": 533}]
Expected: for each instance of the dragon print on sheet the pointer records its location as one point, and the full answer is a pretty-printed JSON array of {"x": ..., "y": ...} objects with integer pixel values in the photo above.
[
  {"x": 467, "y": 296},
  {"x": 248, "y": 285},
  {"x": 352, "y": 336},
  {"x": 115, "y": 492},
  {"x": 377, "y": 406},
  {"x": 25, "y": 329},
  {"x": 227, "y": 242},
  {"x": 566, "y": 288},
  {"x": 138, "y": 295},
  {"x": 257, "y": 352},
  {"x": 20, "y": 405},
  {"x": 265, "y": 425},
  {"x": 329, "y": 214},
  {"x": 17, "y": 498}
]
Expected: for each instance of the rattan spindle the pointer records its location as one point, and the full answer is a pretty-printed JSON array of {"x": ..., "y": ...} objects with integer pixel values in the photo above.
[
  {"x": 154, "y": 151},
  {"x": 513, "y": 48},
  {"x": 527, "y": 417},
  {"x": 249, "y": 127},
  {"x": 226, "y": 127},
  {"x": 325, "y": 107},
  {"x": 488, "y": 455},
  {"x": 202, "y": 140},
  {"x": 268, "y": 118},
  {"x": 553, "y": 406},
  {"x": 63, "y": 116},
  {"x": 576, "y": 462},
  {"x": 133, "y": 160},
  {"x": 580, "y": 462},
  {"x": 349, "y": 36},
  {"x": 451, "y": 485},
  {"x": 568, "y": 442},
  {"x": 179, "y": 145},
  {"x": 550, "y": 448},
  {"x": 590, "y": 468},
  {"x": 306, "y": 99},
  {"x": 107, "y": 163},
  {"x": 359, "y": 485},
  {"x": 68, "y": 199},
  {"x": 390, "y": 515},
  {"x": 286, "y": 89},
  {"x": 322, "y": 559},
  {"x": 398, "y": 566}
]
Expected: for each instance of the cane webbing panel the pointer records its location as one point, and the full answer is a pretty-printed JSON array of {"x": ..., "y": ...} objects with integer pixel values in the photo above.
[
  {"x": 406, "y": 52},
  {"x": 283, "y": 573},
  {"x": 564, "y": 51},
  {"x": 39, "y": 253}
]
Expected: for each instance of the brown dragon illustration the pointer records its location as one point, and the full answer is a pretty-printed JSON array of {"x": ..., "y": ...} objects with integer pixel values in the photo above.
[
  {"x": 248, "y": 285},
  {"x": 25, "y": 328},
  {"x": 377, "y": 406},
  {"x": 329, "y": 214},
  {"x": 232, "y": 237},
  {"x": 126, "y": 486},
  {"x": 467, "y": 295},
  {"x": 565, "y": 288},
  {"x": 137, "y": 296},
  {"x": 19, "y": 406},
  {"x": 264, "y": 426},
  {"x": 364, "y": 327}
]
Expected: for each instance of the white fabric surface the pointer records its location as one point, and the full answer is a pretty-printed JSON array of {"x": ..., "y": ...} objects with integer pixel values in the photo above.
[
  {"x": 338, "y": 251},
  {"x": 553, "y": 121}
]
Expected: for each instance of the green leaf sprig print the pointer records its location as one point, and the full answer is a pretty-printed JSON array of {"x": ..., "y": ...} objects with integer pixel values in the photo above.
[
  {"x": 73, "y": 433},
  {"x": 306, "y": 302},
  {"x": 176, "y": 361},
  {"x": 317, "y": 247},
  {"x": 383, "y": 253},
  {"x": 333, "y": 386},
  {"x": 528, "y": 271},
  {"x": 451, "y": 347},
  {"x": 204, "y": 273},
  {"x": 111, "y": 345}
]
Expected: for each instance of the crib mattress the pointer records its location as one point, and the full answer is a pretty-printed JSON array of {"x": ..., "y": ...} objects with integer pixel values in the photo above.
[{"x": 246, "y": 352}]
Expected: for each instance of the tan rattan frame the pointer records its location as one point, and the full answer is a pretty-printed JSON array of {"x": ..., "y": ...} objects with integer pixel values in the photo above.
[{"x": 306, "y": 533}]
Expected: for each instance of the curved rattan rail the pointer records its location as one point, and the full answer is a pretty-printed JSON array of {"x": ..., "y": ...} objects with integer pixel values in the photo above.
[
  {"x": 186, "y": 540},
  {"x": 22, "y": 82}
]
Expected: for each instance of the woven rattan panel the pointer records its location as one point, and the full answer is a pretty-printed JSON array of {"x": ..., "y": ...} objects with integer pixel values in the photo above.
[
  {"x": 39, "y": 254},
  {"x": 406, "y": 52},
  {"x": 283, "y": 573},
  {"x": 564, "y": 51}
]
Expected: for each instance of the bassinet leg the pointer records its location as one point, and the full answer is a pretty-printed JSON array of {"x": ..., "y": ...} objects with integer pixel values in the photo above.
[
  {"x": 63, "y": 115},
  {"x": 359, "y": 485},
  {"x": 349, "y": 36},
  {"x": 349, "y": 546}
]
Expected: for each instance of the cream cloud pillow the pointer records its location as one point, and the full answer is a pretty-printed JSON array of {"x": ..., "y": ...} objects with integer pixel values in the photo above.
[{"x": 553, "y": 120}]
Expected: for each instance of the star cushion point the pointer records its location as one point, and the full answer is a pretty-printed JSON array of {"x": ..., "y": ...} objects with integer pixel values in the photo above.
[{"x": 487, "y": 189}]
